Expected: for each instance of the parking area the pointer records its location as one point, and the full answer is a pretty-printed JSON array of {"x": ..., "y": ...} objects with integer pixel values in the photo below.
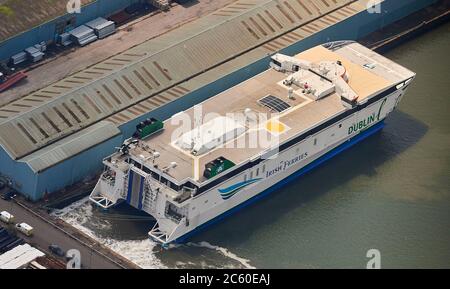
[{"x": 46, "y": 233}]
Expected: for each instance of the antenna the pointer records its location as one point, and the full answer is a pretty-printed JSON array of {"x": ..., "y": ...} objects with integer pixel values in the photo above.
[
  {"x": 247, "y": 113},
  {"x": 290, "y": 93},
  {"x": 155, "y": 155},
  {"x": 172, "y": 165}
]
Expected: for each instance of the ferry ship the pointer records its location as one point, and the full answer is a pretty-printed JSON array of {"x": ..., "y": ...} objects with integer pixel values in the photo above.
[{"x": 207, "y": 162}]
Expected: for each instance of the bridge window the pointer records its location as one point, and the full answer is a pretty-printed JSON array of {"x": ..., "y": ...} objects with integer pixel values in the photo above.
[
  {"x": 147, "y": 170},
  {"x": 174, "y": 186}
]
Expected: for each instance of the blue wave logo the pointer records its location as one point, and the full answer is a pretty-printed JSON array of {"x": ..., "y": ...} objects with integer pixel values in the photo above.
[{"x": 227, "y": 193}]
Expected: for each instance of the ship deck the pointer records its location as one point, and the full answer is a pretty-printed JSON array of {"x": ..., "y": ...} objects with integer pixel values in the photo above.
[{"x": 303, "y": 114}]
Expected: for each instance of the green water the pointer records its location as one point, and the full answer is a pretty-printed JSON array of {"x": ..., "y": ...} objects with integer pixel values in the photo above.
[{"x": 390, "y": 192}]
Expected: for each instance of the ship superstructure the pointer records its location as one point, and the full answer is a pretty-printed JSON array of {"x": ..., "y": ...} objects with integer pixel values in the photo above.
[{"x": 225, "y": 152}]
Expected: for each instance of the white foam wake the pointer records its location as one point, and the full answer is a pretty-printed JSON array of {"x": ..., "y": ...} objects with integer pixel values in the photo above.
[
  {"x": 225, "y": 252},
  {"x": 70, "y": 208},
  {"x": 140, "y": 252}
]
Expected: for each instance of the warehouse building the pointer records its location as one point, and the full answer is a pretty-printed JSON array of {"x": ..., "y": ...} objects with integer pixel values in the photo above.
[
  {"x": 24, "y": 23},
  {"x": 58, "y": 135}
]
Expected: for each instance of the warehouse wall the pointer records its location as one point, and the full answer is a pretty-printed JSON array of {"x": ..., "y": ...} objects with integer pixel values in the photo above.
[
  {"x": 24, "y": 180},
  {"x": 35, "y": 185},
  {"x": 46, "y": 31},
  {"x": 75, "y": 169}
]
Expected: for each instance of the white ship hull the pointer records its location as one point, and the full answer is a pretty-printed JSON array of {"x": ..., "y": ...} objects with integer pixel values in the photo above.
[
  {"x": 258, "y": 180},
  {"x": 210, "y": 205}
]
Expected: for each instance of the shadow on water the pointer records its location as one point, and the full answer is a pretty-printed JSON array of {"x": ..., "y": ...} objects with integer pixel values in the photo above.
[
  {"x": 121, "y": 222},
  {"x": 400, "y": 133}
]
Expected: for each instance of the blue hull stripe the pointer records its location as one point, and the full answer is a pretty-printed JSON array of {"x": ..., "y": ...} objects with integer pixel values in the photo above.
[
  {"x": 362, "y": 135},
  {"x": 237, "y": 186},
  {"x": 141, "y": 189},
  {"x": 227, "y": 193},
  {"x": 130, "y": 186}
]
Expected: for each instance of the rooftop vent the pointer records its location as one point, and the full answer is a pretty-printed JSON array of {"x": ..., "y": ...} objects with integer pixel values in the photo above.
[{"x": 210, "y": 135}]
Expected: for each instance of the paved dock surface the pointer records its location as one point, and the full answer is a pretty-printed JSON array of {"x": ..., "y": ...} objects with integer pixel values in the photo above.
[
  {"x": 46, "y": 234},
  {"x": 129, "y": 35}
]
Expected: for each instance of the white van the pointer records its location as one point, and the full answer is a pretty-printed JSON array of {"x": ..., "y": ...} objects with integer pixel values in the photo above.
[
  {"x": 25, "y": 229},
  {"x": 6, "y": 217}
]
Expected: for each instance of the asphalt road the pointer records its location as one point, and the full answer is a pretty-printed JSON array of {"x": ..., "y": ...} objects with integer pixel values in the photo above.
[{"x": 45, "y": 234}]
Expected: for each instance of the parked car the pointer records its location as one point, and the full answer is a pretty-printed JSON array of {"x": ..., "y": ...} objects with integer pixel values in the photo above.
[
  {"x": 55, "y": 249},
  {"x": 8, "y": 195},
  {"x": 25, "y": 229},
  {"x": 2, "y": 185},
  {"x": 6, "y": 217}
]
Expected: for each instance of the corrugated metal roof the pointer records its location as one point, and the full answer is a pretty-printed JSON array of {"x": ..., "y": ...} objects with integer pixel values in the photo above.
[
  {"x": 99, "y": 23},
  {"x": 19, "y": 257},
  {"x": 14, "y": 253},
  {"x": 151, "y": 72},
  {"x": 70, "y": 146}
]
